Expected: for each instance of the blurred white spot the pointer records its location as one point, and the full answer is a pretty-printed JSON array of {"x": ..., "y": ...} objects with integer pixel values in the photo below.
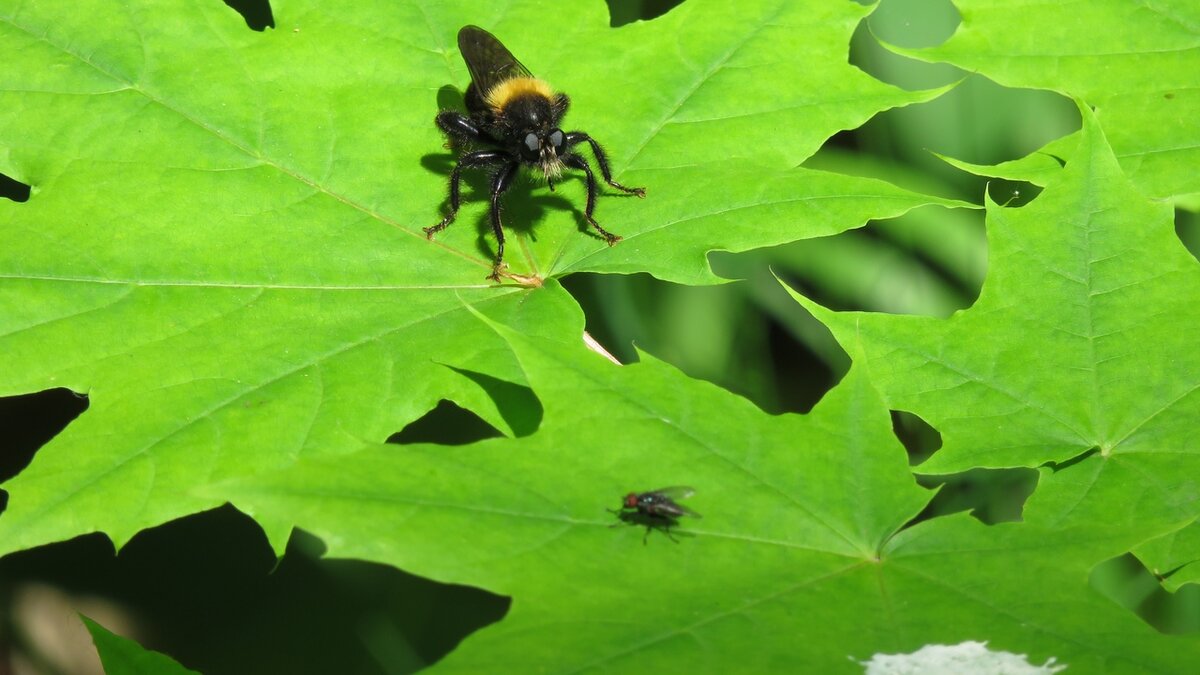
[{"x": 966, "y": 657}]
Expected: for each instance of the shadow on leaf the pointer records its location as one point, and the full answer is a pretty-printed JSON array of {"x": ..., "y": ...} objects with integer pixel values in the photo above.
[
  {"x": 208, "y": 591},
  {"x": 11, "y": 188},
  {"x": 257, "y": 13},
  {"x": 28, "y": 422},
  {"x": 446, "y": 424},
  {"x": 651, "y": 522}
]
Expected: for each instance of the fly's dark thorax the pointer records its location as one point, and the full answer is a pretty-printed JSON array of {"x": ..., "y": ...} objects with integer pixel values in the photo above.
[
  {"x": 520, "y": 114},
  {"x": 529, "y": 111}
]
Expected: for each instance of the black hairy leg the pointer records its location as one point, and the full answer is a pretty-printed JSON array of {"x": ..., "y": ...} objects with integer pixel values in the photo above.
[
  {"x": 471, "y": 160},
  {"x": 576, "y": 137},
  {"x": 578, "y": 162},
  {"x": 500, "y": 182},
  {"x": 458, "y": 127}
]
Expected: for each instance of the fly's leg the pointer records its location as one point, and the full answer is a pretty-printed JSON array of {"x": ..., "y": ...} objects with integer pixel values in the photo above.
[
  {"x": 500, "y": 182},
  {"x": 578, "y": 162},
  {"x": 468, "y": 161},
  {"x": 576, "y": 137}
]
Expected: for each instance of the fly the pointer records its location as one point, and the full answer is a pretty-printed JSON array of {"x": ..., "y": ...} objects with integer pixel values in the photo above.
[{"x": 656, "y": 509}]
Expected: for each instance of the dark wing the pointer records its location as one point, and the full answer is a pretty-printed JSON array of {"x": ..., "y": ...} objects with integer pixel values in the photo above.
[{"x": 489, "y": 62}]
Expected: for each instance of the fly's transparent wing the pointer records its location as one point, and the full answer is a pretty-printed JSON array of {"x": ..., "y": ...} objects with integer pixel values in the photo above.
[
  {"x": 675, "y": 492},
  {"x": 684, "y": 511},
  {"x": 488, "y": 61}
]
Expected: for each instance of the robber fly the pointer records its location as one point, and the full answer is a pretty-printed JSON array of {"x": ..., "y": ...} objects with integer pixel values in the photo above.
[
  {"x": 513, "y": 122},
  {"x": 655, "y": 509}
]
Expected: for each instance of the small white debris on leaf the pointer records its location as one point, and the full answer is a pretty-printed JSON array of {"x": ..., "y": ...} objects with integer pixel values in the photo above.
[{"x": 966, "y": 657}]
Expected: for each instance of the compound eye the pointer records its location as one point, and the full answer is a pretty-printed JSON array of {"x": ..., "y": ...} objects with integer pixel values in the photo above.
[
  {"x": 556, "y": 138},
  {"x": 532, "y": 143}
]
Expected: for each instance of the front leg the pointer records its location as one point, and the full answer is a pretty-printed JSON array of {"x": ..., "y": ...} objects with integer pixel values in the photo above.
[
  {"x": 467, "y": 161},
  {"x": 578, "y": 162},
  {"x": 459, "y": 127},
  {"x": 576, "y": 137},
  {"x": 500, "y": 182}
]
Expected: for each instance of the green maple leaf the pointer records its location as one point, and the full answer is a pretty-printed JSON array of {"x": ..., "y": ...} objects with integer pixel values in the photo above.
[
  {"x": 799, "y": 563},
  {"x": 223, "y": 247},
  {"x": 122, "y": 656},
  {"x": 1135, "y": 62},
  {"x": 1023, "y": 587},
  {"x": 1174, "y": 557},
  {"x": 1038, "y": 168},
  {"x": 788, "y": 504},
  {"x": 1080, "y": 343}
]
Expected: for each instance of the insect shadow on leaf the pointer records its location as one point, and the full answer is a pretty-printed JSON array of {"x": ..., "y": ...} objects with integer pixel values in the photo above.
[
  {"x": 522, "y": 207},
  {"x": 650, "y": 522}
]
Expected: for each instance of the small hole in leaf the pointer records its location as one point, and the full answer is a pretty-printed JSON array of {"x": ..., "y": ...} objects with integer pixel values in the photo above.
[
  {"x": 991, "y": 495},
  {"x": 257, "y": 13},
  {"x": 208, "y": 591},
  {"x": 11, "y": 188},
  {"x": 28, "y": 422},
  {"x": 1127, "y": 582},
  {"x": 1187, "y": 228},
  {"x": 622, "y": 12},
  {"x": 446, "y": 424},
  {"x": 1012, "y": 194},
  {"x": 918, "y": 438}
]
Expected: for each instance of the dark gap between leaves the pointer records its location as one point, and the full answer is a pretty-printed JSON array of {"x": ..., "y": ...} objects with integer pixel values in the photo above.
[
  {"x": 966, "y": 291},
  {"x": 846, "y": 139},
  {"x": 719, "y": 334},
  {"x": 29, "y": 421},
  {"x": 256, "y": 13},
  {"x": 894, "y": 274},
  {"x": 446, "y": 424},
  {"x": 955, "y": 124},
  {"x": 1012, "y": 194},
  {"x": 1187, "y": 228},
  {"x": 207, "y": 590},
  {"x": 991, "y": 495},
  {"x": 920, "y": 440},
  {"x": 13, "y": 189},
  {"x": 622, "y": 12},
  {"x": 1127, "y": 582}
]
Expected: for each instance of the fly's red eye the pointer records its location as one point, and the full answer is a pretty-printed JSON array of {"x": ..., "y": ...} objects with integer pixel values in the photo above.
[{"x": 631, "y": 500}]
